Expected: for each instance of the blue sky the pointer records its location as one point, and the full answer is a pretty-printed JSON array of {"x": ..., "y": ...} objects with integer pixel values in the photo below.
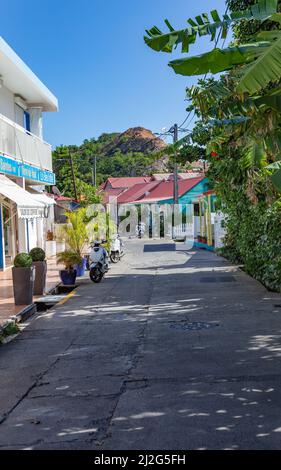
[{"x": 92, "y": 56}]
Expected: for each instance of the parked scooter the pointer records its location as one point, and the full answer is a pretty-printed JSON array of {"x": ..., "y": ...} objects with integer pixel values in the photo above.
[
  {"x": 116, "y": 249},
  {"x": 98, "y": 262}
]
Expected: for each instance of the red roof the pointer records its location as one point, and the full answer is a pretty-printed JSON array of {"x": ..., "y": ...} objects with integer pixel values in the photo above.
[
  {"x": 136, "y": 192},
  {"x": 63, "y": 198},
  {"x": 165, "y": 190},
  {"x": 127, "y": 182}
]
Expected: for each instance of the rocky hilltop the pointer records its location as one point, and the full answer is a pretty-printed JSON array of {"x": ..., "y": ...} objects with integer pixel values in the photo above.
[{"x": 136, "y": 139}]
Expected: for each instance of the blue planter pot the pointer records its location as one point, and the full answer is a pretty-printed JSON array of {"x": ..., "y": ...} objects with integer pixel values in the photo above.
[
  {"x": 81, "y": 268},
  {"x": 68, "y": 278}
]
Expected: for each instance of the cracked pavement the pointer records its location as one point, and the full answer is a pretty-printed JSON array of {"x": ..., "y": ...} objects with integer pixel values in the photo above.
[{"x": 173, "y": 350}]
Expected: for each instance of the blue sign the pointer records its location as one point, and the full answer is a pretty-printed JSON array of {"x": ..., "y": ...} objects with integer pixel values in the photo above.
[
  {"x": 23, "y": 170},
  {"x": 8, "y": 166}
]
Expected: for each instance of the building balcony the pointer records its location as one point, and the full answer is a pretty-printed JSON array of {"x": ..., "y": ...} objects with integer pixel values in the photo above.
[{"x": 23, "y": 146}]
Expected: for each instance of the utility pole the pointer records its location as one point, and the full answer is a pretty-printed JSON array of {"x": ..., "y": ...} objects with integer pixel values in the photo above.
[
  {"x": 73, "y": 176},
  {"x": 95, "y": 171},
  {"x": 175, "y": 131},
  {"x": 176, "y": 179}
]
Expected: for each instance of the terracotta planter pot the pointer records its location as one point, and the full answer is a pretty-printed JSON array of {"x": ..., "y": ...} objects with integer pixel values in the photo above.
[
  {"x": 40, "y": 277},
  {"x": 23, "y": 282}
]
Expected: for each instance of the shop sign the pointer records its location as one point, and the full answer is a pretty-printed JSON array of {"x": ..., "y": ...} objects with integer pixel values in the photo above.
[{"x": 12, "y": 167}]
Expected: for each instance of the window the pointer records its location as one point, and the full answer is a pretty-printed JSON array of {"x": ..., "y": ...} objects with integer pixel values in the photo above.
[{"x": 27, "y": 121}]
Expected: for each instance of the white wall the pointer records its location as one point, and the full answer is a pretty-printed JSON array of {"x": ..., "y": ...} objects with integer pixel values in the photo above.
[
  {"x": 7, "y": 103},
  {"x": 32, "y": 233},
  {"x": 13, "y": 111}
]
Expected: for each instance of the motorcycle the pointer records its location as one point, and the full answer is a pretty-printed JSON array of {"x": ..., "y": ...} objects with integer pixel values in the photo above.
[
  {"x": 116, "y": 249},
  {"x": 97, "y": 263}
]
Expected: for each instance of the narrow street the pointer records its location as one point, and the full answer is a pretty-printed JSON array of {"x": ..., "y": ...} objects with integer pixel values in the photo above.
[{"x": 173, "y": 350}]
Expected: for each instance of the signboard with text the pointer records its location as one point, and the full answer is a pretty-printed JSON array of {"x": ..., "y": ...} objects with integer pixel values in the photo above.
[{"x": 23, "y": 170}]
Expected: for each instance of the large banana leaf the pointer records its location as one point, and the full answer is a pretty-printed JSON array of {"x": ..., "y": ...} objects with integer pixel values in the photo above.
[
  {"x": 254, "y": 157},
  {"x": 218, "y": 60},
  {"x": 266, "y": 69},
  {"x": 276, "y": 180},
  {"x": 272, "y": 102},
  {"x": 203, "y": 26}
]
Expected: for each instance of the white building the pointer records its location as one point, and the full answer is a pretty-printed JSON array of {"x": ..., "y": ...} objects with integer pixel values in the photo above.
[{"x": 26, "y": 213}]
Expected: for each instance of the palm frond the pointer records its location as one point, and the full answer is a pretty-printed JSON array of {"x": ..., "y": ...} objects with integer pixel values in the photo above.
[
  {"x": 254, "y": 157},
  {"x": 266, "y": 69},
  {"x": 219, "y": 60},
  {"x": 203, "y": 25}
]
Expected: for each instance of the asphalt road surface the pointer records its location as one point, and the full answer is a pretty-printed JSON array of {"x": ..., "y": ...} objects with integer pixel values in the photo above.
[{"x": 173, "y": 350}]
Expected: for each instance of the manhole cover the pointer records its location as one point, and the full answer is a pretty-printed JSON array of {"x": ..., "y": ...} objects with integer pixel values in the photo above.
[{"x": 193, "y": 326}]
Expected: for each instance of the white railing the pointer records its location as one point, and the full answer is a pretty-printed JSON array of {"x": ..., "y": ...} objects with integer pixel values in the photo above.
[{"x": 17, "y": 143}]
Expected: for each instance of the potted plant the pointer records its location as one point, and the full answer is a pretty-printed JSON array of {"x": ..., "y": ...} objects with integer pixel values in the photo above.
[
  {"x": 23, "y": 279},
  {"x": 51, "y": 249},
  {"x": 81, "y": 267},
  {"x": 75, "y": 234},
  {"x": 39, "y": 262},
  {"x": 69, "y": 259}
]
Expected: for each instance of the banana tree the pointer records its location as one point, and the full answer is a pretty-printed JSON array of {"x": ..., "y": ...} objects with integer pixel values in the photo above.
[
  {"x": 247, "y": 108},
  {"x": 261, "y": 58}
]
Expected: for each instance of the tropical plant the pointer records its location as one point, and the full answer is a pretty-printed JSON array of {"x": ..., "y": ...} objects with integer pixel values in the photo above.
[
  {"x": 75, "y": 230},
  {"x": 265, "y": 48},
  {"x": 23, "y": 260},
  {"x": 69, "y": 259},
  {"x": 203, "y": 25},
  {"x": 246, "y": 102}
]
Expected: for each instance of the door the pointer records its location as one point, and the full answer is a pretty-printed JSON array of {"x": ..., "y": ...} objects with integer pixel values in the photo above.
[{"x": 8, "y": 235}]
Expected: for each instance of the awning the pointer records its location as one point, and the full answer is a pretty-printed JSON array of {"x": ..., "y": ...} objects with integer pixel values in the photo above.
[
  {"x": 27, "y": 206},
  {"x": 41, "y": 197}
]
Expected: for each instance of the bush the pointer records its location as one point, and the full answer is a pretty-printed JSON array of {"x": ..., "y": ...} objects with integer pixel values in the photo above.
[
  {"x": 37, "y": 254},
  {"x": 253, "y": 238},
  {"x": 23, "y": 260}
]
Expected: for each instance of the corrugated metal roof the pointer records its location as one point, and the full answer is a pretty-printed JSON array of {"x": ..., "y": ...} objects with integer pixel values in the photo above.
[
  {"x": 137, "y": 192},
  {"x": 165, "y": 190},
  {"x": 128, "y": 182}
]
